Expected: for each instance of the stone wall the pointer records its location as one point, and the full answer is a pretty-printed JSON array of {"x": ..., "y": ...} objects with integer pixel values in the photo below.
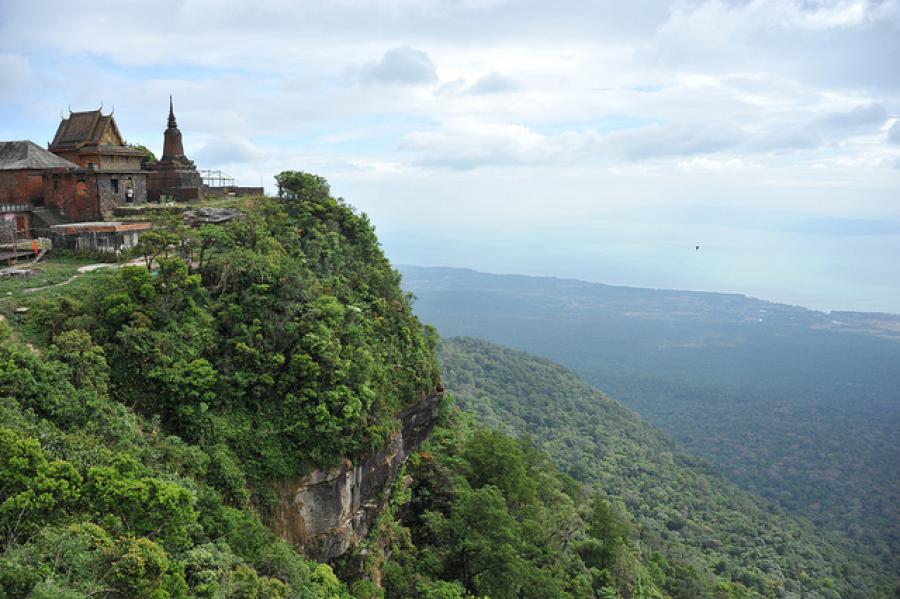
[
  {"x": 111, "y": 190},
  {"x": 324, "y": 513},
  {"x": 233, "y": 190}
]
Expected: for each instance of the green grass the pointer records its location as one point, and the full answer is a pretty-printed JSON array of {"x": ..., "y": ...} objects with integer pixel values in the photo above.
[{"x": 47, "y": 280}]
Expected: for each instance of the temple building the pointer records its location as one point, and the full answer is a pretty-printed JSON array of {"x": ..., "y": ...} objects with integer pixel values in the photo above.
[
  {"x": 85, "y": 174},
  {"x": 110, "y": 172},
  {"x": 174, "y": 177}
]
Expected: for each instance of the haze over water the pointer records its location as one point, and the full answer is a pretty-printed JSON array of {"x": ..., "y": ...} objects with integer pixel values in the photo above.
[{"x": 822, "y": 271}]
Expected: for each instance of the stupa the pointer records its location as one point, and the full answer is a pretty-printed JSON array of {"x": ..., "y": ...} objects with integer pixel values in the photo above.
[{"x": 174, "y": 177}]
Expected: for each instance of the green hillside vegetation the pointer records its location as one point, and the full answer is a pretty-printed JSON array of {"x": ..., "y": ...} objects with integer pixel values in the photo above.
[
  {"x": 490, "y": 516},
  {"x": 144, "y": 414},
  {"x": 795, "y": 405},
  {"x": 676, "y": 500}
]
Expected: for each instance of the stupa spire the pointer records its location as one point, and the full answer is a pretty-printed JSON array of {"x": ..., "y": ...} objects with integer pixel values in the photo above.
[
  {"x": 172, "y": 123},
  {"x": 172, "y": 147},
  {"x": 174, "y": 177}
]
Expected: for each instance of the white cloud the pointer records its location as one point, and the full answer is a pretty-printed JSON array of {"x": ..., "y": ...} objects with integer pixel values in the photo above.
[
  {"x": 469, "y": 144},
  {"x": 398, "y": 66},
  {"x": 223, "y": 150},
  {"x": 656, "y": 141},
  {"x": 869, "y": 116},
  {"x": 893, "y": 134},
  {"x": 703, "y": 163},
  {"x": 494, "y": 83},
  {"x": 15, "y": 76}
]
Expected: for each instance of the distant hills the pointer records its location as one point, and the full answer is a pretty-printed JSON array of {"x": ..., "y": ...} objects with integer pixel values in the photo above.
[{"x": 799, "y": 406}]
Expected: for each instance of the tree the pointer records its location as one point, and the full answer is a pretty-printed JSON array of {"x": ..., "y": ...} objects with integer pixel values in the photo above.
[
  {"x": 481, "y": 541},
  {"x": 298, "y": 185},
  {"x": 154, "y": 243},
  {"x": 149, "y": 157},
  {"x": 86, "y": 361},
  {"x": 33, "y": 489}
]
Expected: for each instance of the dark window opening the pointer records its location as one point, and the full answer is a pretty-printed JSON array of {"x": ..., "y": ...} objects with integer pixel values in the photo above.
[{"x": 115, "y": 185}]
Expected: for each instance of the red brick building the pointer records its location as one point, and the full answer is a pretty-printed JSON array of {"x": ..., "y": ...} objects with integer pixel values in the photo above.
[
  {"x": 87, "y": 171},
  {"x": 30, "y": 179}
]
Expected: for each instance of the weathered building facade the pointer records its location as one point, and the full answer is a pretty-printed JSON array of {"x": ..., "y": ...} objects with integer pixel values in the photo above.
[
  {"x": 174, "y": 177},
  {"x": 30, "y": 179},
  {"x": 107, "y": 237},
  {"x": 110, "y": 173},
  {"x": 87, "y": 172}
]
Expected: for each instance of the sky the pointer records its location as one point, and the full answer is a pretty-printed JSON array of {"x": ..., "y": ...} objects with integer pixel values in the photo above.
[{"x": 588, "y": 139}]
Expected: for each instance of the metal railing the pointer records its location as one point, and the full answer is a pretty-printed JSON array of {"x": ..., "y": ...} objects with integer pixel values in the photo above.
[{"x": 213, "y": 178}]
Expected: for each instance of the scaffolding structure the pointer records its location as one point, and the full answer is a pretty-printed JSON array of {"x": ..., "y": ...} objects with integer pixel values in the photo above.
[
  {"x": 213, "y": 178},
  {"x": 14, "y": 245}
]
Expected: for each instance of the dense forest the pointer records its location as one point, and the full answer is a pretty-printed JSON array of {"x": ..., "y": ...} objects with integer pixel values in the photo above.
[
  {"x": 798, "y": 406},
  {"x": 673, "y": 497},
  {"x": 144, "y": 413},
  {"x": 489, "y": 515}
]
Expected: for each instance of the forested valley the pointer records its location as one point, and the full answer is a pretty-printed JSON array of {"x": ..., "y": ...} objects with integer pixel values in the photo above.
[
  {"x": 672, "y": 496},
  {"x": 797, "y": 406}
]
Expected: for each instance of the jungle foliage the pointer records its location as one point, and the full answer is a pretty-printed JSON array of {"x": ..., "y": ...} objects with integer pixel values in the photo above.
[
  {"x": 490, "y": 515},
  {"x": 142, "y": 424},
  {"x": 679, "y": 504}
]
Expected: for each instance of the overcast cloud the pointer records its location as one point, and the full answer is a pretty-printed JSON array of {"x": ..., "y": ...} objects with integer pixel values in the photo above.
[{"x": 517, "y": 113}]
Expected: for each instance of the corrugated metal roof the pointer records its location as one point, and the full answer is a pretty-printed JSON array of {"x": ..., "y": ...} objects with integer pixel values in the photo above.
[{"x": 27, "y": 155}]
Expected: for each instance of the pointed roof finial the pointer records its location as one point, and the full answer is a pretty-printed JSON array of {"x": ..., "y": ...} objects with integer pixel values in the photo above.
[{"x": 172, "y": 123}]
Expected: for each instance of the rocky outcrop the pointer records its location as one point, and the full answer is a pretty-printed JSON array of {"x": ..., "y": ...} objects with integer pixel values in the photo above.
[
  {"x": 327, "y": 511},
  {"x": 208, "y": 215}
]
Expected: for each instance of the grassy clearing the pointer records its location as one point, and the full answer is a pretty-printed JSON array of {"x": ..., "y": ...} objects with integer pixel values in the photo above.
[{"x": 50, "y": 279}]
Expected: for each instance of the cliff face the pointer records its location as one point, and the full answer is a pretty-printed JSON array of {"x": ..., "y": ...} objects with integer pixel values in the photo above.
[{"x": 325, "y": 512}]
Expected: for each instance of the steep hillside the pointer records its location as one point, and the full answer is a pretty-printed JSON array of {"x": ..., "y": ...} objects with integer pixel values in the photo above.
[
  {"x": 147, "y": 416},
  {"x": 672, "y": 496},
  {"x": 490, "y": 515},
  {"x": 798, "y": 406}
]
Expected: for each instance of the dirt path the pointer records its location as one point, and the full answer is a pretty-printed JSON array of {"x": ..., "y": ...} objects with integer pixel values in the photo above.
[{"x": 85, "y": 269}]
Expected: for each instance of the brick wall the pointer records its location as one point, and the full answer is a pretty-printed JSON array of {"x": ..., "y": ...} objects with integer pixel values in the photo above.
[
  {"x": 20, "y": 187},
  {"x": 74, "y": 195}
]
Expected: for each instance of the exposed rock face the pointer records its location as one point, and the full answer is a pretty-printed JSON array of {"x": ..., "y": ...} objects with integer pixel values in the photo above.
[
  {"x": 207, "y": 215},
  {"x": 326, "y": 512}
]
